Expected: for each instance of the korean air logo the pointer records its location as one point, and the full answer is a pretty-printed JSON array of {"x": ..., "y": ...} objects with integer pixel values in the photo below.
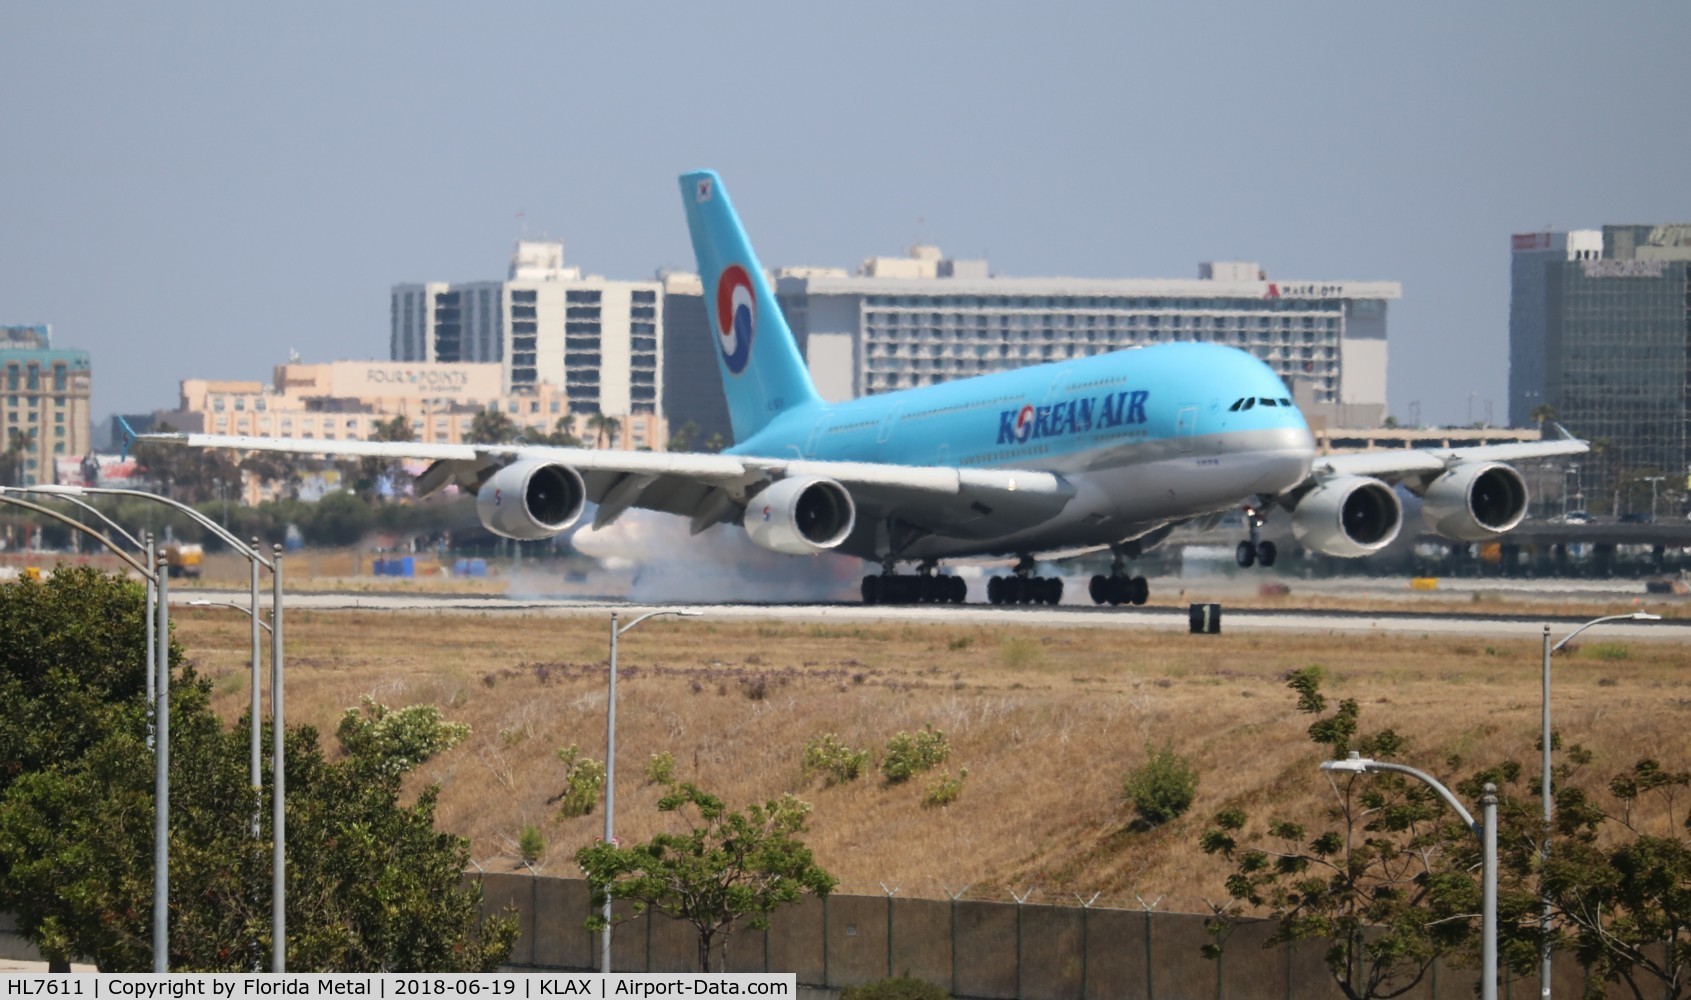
[
  {"x": 1024, "y": 424},
  {"x": 736, "y": 317}
]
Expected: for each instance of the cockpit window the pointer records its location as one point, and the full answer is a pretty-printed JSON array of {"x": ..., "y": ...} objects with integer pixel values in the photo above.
[
  {"x": 1249, "y": 402},
  {"x": 1285, "y": 402},
  {"x": 1267, "y": 402},
  {"x": 1236, "y": 404}
]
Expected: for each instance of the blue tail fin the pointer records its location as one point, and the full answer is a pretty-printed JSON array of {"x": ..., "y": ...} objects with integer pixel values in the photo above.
[{"x": 762, "y": 372}]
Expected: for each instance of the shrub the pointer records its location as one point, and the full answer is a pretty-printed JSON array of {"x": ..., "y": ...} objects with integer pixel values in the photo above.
[
  {"x": 945, "y": 789},
  {"x": 660, "y": 769},
  {"x": 583, "y": 777},
  {"x": 530, "y": 843},
  {"x": 908, "y": 756},
  {"x": 1162, "y": 788},
  {"x": 838, "y": 763},
  {"x": 905, "y": 987}
]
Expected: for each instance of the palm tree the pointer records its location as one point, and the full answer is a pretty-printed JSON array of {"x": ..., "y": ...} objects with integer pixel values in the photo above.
[
  {"x": 682, "y": 438},
  {"x": 492, "y": 427},
  {"x": 367, "y": 473},
  {"x": 562, "y": 434},
  {"x": 603, "y": 427},
  {"x": 18, "y": 444},
  {"x": 1541, "y": 415}
]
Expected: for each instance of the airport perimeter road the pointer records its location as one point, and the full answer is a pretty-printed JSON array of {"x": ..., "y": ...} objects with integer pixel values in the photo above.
[{"x": 1063, "y": 616}]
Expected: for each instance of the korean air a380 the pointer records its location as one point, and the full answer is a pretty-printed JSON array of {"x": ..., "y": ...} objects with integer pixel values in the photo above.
[{"x": 1104, "y": 452}]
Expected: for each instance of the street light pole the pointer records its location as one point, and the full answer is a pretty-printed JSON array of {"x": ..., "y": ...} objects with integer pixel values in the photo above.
[
  {"x": 611, "y": 764},
  {"x": 1549, "y": 801},
  {"x": 1486, "y": 831},
  {"x": 161, "y": 780},
  {"x": 278, "y": 782}
]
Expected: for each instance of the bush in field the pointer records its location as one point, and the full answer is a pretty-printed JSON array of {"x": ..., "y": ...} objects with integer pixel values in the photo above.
[
  {"x": 909, "y": 755},
  {"x": 1162, "y": 788},
  {"x": 530, "y": 843},
  {"x": 583, "y": 778},
  {"x": 829, "y": 756},
  {"x": 945, "y": 789},
  {"x": 660, "y": 769}
]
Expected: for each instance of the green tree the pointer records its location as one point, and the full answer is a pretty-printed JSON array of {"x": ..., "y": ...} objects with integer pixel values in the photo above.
[
  {"x": 18, "y": 446},
  {"x": 187, "y": 474},
  {"x": 682, "y": 438},
  {"x": 727, "y": 866},
  {"x": 604, "y": 429},
  {"x": 1377, "y": 885},
  {"x": 366, "y": 473},
  {"x": 372, "y": 886},
  {"x": 340, "y": 518},
  {"x": 562, "y": 434},
  {"x": 1620, "y": 882},
  {"x": 492, "y": 426}
]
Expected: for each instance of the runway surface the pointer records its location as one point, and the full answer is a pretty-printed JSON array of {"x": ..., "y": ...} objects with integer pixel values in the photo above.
[{"x": 1154, "y": 616}]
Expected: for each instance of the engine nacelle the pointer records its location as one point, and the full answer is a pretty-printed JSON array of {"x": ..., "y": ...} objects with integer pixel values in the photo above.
[
  {"x": 1348, "y": 516},
  {"x": 1475, "y": 501},
  {"x": 531, "y": 500},
  {"x": 801, "y": 515}
]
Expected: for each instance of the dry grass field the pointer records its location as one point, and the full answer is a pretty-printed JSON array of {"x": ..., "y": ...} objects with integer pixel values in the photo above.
[{"x": 1046, "y": 721}]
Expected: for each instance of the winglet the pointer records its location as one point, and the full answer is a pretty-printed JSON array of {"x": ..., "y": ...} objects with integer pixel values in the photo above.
[
  {"x": 1562, "y": 432},
  {"x": 129, "y": 437}
]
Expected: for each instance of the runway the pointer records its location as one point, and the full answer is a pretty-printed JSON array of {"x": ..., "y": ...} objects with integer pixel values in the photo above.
[{"x": 1164, "y": 617}]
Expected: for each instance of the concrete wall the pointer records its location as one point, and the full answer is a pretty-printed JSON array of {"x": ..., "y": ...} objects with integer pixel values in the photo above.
[{"x": 974, "y": 948}]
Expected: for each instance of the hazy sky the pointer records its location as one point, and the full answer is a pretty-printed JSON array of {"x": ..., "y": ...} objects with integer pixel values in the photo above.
[{"x": 195, "y": 189}]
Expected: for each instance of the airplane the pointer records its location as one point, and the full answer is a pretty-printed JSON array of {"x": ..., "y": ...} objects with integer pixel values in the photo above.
[{"x": 1110, "y": 451}]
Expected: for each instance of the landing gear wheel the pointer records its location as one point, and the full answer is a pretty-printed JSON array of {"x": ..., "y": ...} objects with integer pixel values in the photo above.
[
  {"x": 1245, "y": 555},
  {"x": 1267, "y": 553},
  {"x": 959, "y": 591},
  {"x": 871, "y": 590},
  {"x": 1099, "y": 589},
  {"x": 1138, "y": 591}
]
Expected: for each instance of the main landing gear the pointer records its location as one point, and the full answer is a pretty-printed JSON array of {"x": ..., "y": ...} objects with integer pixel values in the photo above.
[
  {"x": 1119, "y": 588},
  {"x": 1024, "y": 587},
  {"x": 925, "y": 586},
  {"x": 1254, "y": 549}
]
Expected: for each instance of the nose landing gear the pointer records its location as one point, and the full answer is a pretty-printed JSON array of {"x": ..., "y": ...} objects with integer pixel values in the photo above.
[{"x": 1255, "y": 550}]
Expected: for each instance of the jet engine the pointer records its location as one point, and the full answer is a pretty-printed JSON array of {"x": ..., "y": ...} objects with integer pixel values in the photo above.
[
  {"x": 801, "y": 515},
  {"x": 531, "y": 500},
  {"x": 1475, "y": 501},
  {"x": 1347, "y": 516}
]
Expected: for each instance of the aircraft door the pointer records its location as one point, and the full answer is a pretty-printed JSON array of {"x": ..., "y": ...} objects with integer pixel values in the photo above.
[{"x": 1186, "y": 428}]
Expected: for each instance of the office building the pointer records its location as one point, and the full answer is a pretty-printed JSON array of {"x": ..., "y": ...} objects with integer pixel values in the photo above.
[
  {"x": 595, "y": 338},
  {"x": 901, "y": 322},
  {"x": 46, "y": 393},
  {"x": 1599, "y": 324},
  {"x": 346, "y": 400}
]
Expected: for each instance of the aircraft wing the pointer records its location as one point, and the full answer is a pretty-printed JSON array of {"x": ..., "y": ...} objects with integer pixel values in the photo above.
[
  {"x": 1394, "y": 466},
  {"x": 710, "y": 488}
]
